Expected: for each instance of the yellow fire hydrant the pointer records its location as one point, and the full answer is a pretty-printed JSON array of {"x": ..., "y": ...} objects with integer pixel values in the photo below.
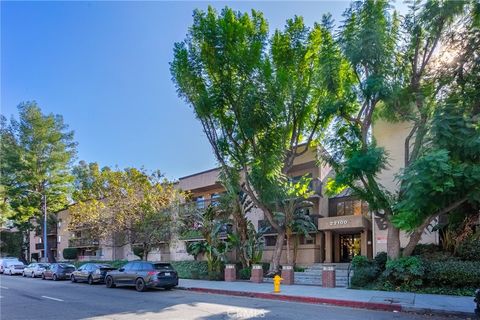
[{"x": 276, "y": 283}]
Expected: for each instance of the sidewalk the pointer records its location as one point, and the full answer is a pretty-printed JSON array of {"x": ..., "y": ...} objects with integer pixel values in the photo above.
[{"x": 368, "y": 299}]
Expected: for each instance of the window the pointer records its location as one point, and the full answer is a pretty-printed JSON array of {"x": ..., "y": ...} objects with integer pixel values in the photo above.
[
  {"x": 357, "y": 207},
  {"x": 128, "y": 266},
  {"x": 341, "y": 209},
  {"x": 200, "y": 202},
  {"x": 59, "y": 239},
  {"x": 214, "y": 197},
  {"x": 270, "y": 241}
]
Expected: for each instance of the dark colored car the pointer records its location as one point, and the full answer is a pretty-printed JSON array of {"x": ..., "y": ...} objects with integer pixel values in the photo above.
[
  {"x": 58, "y": 271},
  {"x": 143, "y": 275},
  {"x": 91, "y": 273}
]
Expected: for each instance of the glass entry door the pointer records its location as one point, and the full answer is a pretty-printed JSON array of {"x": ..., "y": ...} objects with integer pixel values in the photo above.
[{"x": 349, "y": 246}]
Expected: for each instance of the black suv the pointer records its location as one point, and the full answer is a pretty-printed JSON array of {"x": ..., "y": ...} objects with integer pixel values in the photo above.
[{"x": 143, "y": 275}]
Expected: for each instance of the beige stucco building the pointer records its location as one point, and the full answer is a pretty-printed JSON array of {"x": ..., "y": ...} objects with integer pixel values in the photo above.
[{"x": 345, "y": 226}]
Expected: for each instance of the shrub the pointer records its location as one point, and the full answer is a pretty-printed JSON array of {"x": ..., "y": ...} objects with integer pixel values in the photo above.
[
  {"x": 70, "y": 253},
  {"x": 360, "y": 262},
  {"x": 298, "y": 269},
  {"x": 406, "y": 273},
  {"x": 380, "y": 261},
  {"x": 245, "y": 273},
  {"x": 191, "y": 269},
  {"x": 470, "y": 250},
  {"x": 454, "y": 274},
  {"x": 363, "y": 276}
]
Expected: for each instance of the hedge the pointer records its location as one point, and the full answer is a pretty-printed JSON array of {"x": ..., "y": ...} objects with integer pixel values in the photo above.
[
  {"x": 454, "y": 274},
  {"x": 70, "y": 253},
  {"x": 191, "y": 269}
]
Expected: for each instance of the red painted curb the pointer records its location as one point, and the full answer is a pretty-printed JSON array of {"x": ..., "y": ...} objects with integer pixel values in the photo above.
[{"x": 313, "y": 300}]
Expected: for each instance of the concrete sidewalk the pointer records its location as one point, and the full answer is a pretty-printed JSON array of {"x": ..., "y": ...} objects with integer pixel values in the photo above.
[{"x": 368, "y": 299}]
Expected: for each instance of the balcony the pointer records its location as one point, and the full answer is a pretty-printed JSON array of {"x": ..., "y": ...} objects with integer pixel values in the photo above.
[
  {"x": 82, "y": 243},
  {"x": 52, "y": 244},
  {"x": 264, "y": 224}
]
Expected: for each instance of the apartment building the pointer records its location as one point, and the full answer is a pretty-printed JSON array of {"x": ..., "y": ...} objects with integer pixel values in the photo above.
[{"x": 345, "y": 226}]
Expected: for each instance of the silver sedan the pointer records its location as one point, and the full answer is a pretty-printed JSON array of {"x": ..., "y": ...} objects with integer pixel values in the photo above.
[{"x": 34, "y": 269}]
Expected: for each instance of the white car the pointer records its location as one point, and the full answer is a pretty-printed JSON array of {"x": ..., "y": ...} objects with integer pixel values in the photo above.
[
  {"x": 34, "y": 269},
  {"x": 4, "y": 261},
  {"x": 14, "y": 267}
]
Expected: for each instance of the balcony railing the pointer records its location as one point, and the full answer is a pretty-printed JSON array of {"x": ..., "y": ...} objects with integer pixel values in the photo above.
[
  {"x": 268, "y": 229},
  {"x": 52, "y": 244},
  {"x": 82, "y": 242}
]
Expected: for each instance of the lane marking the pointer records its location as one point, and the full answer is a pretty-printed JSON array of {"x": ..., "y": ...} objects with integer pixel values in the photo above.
[
  {"x": 3, "y": 287},
  {"x": 51, "y": 298}
]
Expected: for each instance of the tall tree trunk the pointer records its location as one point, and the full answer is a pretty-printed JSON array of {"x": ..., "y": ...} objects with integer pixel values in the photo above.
[
  {"x": 145, "y": 252},
  {"x": 289, "y": 252},
  {"x": 416, "y": 236},
  {"x": 393, "y": 241},
  {"x": 277, "y": 252},
  {"x": 295, "y": 249}
]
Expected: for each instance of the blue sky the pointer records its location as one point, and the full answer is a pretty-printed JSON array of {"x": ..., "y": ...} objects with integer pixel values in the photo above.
[{"x": 105, "y": 67}]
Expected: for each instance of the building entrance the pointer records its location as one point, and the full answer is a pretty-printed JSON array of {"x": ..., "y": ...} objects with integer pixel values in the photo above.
[{"x": 350, "y": 246}]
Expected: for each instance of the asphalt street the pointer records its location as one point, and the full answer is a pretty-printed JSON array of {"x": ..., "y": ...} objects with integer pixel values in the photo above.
[{"x": 26, "y": 298}]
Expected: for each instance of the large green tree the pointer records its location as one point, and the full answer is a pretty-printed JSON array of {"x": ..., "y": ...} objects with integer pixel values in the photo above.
[
  {"x": 36, "y": 153},
  {"x": 394, "y": 61},
  {"x": 133, "y": 204},
  {"x": 259, "y": 97}
]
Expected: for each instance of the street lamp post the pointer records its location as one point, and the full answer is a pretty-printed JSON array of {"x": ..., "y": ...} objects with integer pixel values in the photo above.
[{"x": 45, "y": 238}]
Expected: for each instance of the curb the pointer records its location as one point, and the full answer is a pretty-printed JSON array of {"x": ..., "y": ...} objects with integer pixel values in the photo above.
[{"x": 312, "y": 300}]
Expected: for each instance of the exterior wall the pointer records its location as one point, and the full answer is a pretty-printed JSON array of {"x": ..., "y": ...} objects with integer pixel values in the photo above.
[
  {"x": 391, "y": 136},
  {"x": 307, "y": 254},
  {"x": 63, "y": 234}
]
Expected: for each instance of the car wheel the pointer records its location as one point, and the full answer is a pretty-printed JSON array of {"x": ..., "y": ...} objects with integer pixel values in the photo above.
[
  {"x": 168, "y": 288},
  {"x": 90, "y": 280},
  {"x": 43, "y": 277},
  {"x": 33, "y": 274},
  {"x": 54, "y": 277},
  {"x": 140, "y": 285},
  {"x": 72, "y": 278},
  {"x": 23, "y": 274},
  {"x": 109, "y": 282}
]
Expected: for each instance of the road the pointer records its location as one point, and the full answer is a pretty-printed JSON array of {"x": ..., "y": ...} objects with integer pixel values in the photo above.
[{"x": 26, "y": 298}]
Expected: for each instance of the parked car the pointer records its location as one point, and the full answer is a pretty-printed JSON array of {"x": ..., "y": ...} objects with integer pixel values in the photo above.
[
  {"x": 34, "y": 269},
  {"x": 58, "y": 271},
  {"x": 143, "y": 275},
  {"x": 3, "y": 262},
  {"x": 91, "y": 273},
  {"x": 13, "y": 267}
]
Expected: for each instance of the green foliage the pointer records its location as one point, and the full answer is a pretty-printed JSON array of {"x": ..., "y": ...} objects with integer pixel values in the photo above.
[
  {"x": 258, "y": 97},
  {"x": 10, "y": 243},
  {"x": 359, "y": 262},
  {"x": 405, "y": 273},
  {"x": 36, "y": 153},
  {"x": 196, "y": 248},
  {"x": 245, "y": 273},
  {"x": 191, "y": 269},
  {"x": 363, "y": 276},
  {"x": 454, "y": 274},
  {"x": 380, "y": 261},
  {"x": 299, "y": 269},
  {"x": 469, "y": 250},
  {"x": 140, "y": 203},
  {"x": 70, "y": 253}
]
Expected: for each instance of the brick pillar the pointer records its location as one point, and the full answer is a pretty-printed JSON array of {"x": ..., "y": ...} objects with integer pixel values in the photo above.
[
  {"x": 288, "y": 275},
  {"x": 328, "y": 277},
  {"x": 257, "y": 273},
  {"x": 328, "y": 246},
  {"x": 230, "y": 273}
]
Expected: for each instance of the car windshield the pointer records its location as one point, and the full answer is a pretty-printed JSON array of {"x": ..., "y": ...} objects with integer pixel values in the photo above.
[
  {"x": 163, "y": 266},
  {"x": 64, "y": 265},
  {"x": 105, "y": 266},
  {"x": 43, "y": 265}
]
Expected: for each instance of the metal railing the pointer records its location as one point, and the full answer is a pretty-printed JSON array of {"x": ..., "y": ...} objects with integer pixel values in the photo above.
[{"x": 82, "y": 242}]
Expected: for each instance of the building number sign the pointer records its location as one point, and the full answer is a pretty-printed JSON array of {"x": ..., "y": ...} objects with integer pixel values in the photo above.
[{"x": 338, "y": 222}]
